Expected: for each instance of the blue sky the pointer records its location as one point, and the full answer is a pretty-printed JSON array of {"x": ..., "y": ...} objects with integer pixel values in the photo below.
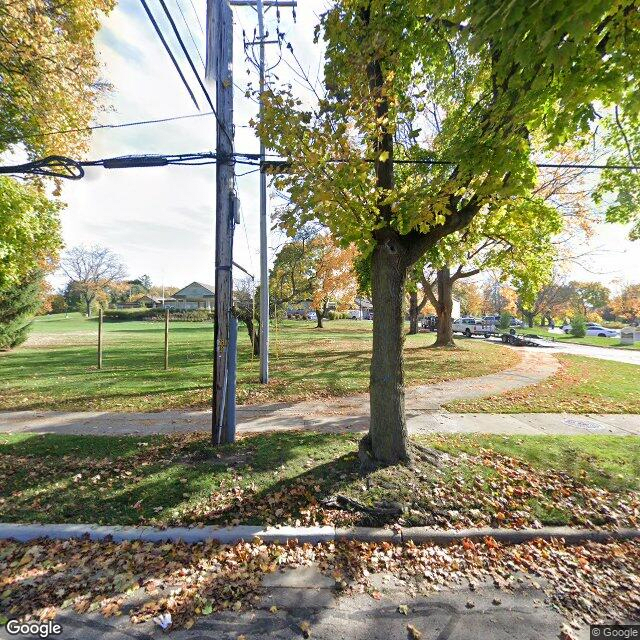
[{"x": 160, "y": 221}]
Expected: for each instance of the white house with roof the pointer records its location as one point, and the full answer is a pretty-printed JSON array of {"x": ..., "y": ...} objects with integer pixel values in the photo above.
[{"x": 194, "y": 296}]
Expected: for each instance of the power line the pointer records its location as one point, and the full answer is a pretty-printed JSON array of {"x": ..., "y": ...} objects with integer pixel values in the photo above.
[
  {"x": 193, "y": 67},
  {"x": 285, "y": 164},
  {"x": 63, "y": 167},
  {"x": 120, "y": 125},
  {"x": 168, "y": 50},
  {"x": 197, "y": 17},
  {"x": 186, "y": 24},
  {"x": 186, "y": 53}
]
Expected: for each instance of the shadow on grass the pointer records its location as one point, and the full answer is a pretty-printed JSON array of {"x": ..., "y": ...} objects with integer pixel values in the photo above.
[{"x": 129, "y": 480}]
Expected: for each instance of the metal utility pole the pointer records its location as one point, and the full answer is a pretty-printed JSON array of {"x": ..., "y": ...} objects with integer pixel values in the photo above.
[
  {"x": 264, "y": 258},
  {"x": 259, "y": 6},
  {"x": 219, "y": 67}
]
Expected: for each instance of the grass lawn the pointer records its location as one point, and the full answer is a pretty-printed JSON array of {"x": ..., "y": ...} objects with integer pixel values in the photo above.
[
  {"x": 583, "y": 385},
  {"x": 310, "y": 478},
  {"x": 593, "y": 341},
  {"x": 56, "y": 369}
]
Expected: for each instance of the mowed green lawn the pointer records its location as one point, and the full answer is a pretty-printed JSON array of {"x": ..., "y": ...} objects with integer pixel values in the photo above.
[
  {"x": 593, "y": 341},
  {"x": 583, "y": 385},
  {"x": 56, "y": 368}
]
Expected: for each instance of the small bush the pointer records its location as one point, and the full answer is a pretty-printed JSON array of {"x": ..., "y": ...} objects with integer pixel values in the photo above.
[
  {"x": 579, "y": 327},
  {"x": 505, "y": 321},
  {"x": 332, "y": 315}
]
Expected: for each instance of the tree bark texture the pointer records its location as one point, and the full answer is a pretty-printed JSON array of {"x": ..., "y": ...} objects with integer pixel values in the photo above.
[
  {"x": 413, "y": 313},
  {"x": 444, "y": 309},
  {"x": 319, "y": 317},
  {"x": 388, "y": 429}
]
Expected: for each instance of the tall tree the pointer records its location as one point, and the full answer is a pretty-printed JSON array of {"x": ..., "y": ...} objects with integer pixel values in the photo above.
[
  {"x": 334, "y": 279},
  {"x": 626, "y": 305},
  {"x": 50, "y": 73},
  {"x": 589, "y": 297},
  {"x": 497, "y": 77},
  {"x": 48, "y": 82},
  {"x": 30, "y": 237},
  {"x": 552, "y": 300},
  {"x": 469, "y": 296},
  {"x": 315, "y": 268},
  {"x": 91, "y": 272}
]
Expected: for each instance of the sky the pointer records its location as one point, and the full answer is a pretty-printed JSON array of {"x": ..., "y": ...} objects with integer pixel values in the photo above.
[{"x": 160, "y": 221}]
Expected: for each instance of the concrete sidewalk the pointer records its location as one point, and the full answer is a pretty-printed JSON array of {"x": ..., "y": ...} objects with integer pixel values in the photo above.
[
  {"x": 251, "y": 421},
  {"x": 305, "y": 598},
  {"x": 333, "y": 414}
]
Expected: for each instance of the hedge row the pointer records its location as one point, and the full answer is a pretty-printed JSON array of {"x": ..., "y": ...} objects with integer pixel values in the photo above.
[{"x": 187, "y": 315}]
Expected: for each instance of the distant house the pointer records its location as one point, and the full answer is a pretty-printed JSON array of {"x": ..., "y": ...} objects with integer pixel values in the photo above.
[
  {"x": 148, "y": 301},
  {"x": 194, "y": 296}
]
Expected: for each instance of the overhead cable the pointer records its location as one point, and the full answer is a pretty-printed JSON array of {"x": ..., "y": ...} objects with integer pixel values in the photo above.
[{"x": 168, "y": 50}]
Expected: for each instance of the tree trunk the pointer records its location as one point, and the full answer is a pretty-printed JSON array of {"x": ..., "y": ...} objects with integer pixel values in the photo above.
[
  {"x": 88, "y": 303},
  {"x": 319, "y": 317},
  {"x": 413, "y": 313},
  {"x": 254, "y": 336},
  {"x": 388, "y": 441},
  {"x": 444, "y": 309},
  {"x": 529, "y": 317}
]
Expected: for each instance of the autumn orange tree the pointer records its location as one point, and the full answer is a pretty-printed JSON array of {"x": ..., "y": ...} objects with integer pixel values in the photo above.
[
  {"x": 499, "y": 77},
  {"x": 316, "y": 269},
  {"x": 470, "y": 297},
  {"x": 335, "y": 279},
  {"x": 626, "y": 304}
]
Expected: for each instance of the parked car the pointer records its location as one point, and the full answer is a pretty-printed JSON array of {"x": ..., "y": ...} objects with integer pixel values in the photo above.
[
  {"x": 311, "y": 315},
  {"x": 595, "y": 329},
  {"x": 602, "y": 332},
  {"x": 473, "y": 326}
]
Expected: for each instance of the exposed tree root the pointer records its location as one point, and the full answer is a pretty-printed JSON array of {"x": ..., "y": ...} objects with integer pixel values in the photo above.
[{"x": 417, "y": 453}]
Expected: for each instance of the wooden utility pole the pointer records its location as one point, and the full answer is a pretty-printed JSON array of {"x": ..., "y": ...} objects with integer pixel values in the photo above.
[
  {"x": 100, "y": 338},
  {"x": 166, "y": 339},
  {"x": 219, "y": 68}
]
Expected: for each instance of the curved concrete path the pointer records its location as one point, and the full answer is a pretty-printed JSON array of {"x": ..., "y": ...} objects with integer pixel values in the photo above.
[
  {"x": 333, "y": 414},
  {"x": 627, "y": 356}
]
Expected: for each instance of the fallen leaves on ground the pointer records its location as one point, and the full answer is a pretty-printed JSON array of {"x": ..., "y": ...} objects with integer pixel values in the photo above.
[
  {"x": 482, "y": 489},
  {"x": 180, "y": 582}
]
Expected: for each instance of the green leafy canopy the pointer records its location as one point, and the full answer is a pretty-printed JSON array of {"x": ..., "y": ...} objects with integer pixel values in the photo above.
[{"x": 484, "y": 85}]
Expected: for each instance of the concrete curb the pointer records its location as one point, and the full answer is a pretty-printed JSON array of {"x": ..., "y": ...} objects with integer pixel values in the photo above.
[{"x": 311, "y": 535}]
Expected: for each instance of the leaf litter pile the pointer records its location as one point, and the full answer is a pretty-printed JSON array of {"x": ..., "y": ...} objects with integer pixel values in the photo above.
[
  {"x": 175, "y": 583},
  {"x": 303, "y": 479}
]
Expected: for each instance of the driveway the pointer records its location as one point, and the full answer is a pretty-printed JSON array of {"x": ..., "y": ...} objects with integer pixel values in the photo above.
[{"x": 628, "y": 356}]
